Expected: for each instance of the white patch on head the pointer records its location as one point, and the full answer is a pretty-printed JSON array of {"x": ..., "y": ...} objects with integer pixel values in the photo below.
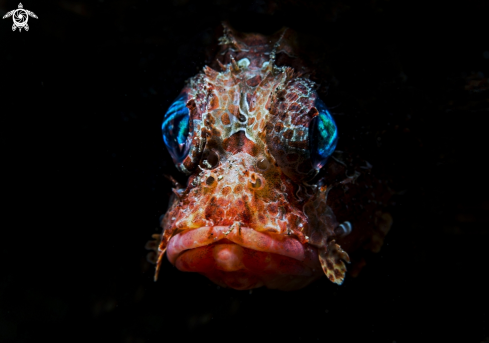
[{"x": 244, "y": 63}]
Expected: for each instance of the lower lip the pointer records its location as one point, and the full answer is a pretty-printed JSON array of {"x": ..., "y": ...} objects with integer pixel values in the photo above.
[
  {"x": 233, "y": 257},
  {"x": 244, "y": 237},
  {"x": 231, "y": 265}
]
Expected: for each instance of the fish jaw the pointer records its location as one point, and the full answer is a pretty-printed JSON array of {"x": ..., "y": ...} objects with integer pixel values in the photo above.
[{"x": 242, "y": 258}]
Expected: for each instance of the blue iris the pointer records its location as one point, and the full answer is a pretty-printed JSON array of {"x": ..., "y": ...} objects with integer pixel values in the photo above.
[
  {"x": 323, "y": 135},
  {"x": 175, "y": 129}
]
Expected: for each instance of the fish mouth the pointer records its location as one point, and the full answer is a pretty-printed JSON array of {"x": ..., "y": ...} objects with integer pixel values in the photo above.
[{"x": 242, "y": 258}]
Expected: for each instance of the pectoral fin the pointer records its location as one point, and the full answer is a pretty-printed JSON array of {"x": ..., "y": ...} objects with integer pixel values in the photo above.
[{"x": 331, "y": 258}]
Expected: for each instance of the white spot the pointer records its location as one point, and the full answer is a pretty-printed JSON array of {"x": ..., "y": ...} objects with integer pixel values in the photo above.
[
  {"x": 265, "y": 64},
  {"x": 228, "y": 257},
  {"x": 244, "y": 63},
  {"x": 173, "y": 218},
  {"x": 343, "y": 229},
  {"x": 219, "y": 177}
]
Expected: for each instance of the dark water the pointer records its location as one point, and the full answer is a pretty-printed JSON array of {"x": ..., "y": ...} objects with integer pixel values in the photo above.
[{"x": 83, "y": 94}]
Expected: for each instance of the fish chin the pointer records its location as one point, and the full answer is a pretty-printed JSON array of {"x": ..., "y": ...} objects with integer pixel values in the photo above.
[{"x": 243, "y": 258}]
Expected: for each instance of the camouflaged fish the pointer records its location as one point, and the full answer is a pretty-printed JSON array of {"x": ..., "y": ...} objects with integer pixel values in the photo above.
[{"x": 268, "y": 201}]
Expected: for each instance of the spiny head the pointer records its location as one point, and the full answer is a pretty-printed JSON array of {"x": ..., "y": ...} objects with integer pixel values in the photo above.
[
  {"x": 249, "y": 136},
  {"x": 256, "y": 95}
]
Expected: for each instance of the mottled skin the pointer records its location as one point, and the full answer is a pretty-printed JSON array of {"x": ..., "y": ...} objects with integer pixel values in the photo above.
[{"x": 250, "y": 166}]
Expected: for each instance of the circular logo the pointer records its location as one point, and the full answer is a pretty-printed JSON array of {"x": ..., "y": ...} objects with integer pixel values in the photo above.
[{"x": 20, "y": 17}]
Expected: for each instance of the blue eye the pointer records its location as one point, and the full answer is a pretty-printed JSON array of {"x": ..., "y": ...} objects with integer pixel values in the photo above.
[
  {"x": 323, "y": 135},
  {"x": 175, "y": 129}
]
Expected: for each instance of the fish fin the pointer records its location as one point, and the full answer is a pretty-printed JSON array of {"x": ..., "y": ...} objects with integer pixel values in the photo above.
[
  {"x": 332, "y": 258},
  {"x": 164, "y": 239},
  {"x": 158, "y": 263}
]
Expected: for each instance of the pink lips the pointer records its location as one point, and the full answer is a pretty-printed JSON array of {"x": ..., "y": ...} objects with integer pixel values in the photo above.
[
  {"x": 242, "y": 258},
  {"x": 245, "y": 237}
]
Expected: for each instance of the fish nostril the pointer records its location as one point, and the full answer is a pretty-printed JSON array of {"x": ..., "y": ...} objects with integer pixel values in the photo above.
[
  {"x": 213, "y": 159},
  {"x": 256, "y": 182},
  {"x": 263, "y": 163},
  {"x": 210, "y": 180},
  {"x": 210, "y": 159}
]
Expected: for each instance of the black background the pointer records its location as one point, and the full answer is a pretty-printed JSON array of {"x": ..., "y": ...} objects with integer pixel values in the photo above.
[{"x": 83, "y": 94}]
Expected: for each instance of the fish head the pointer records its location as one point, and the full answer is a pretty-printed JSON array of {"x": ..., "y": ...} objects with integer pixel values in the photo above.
[{"x": 251, "y": 136}]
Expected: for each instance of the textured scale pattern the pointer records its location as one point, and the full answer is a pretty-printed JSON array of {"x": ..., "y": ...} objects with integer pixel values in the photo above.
[{"x": 248, "y": 216}]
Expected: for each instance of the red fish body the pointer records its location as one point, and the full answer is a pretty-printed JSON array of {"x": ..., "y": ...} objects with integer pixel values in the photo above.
[{"x": 245, "y": 133}]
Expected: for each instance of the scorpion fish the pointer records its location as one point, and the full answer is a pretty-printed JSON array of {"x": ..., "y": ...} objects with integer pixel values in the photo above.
[{"x": 268, "y": 201}]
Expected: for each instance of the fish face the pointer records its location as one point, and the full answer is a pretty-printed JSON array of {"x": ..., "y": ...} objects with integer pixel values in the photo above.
[{"x": 250, "y": 137}]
